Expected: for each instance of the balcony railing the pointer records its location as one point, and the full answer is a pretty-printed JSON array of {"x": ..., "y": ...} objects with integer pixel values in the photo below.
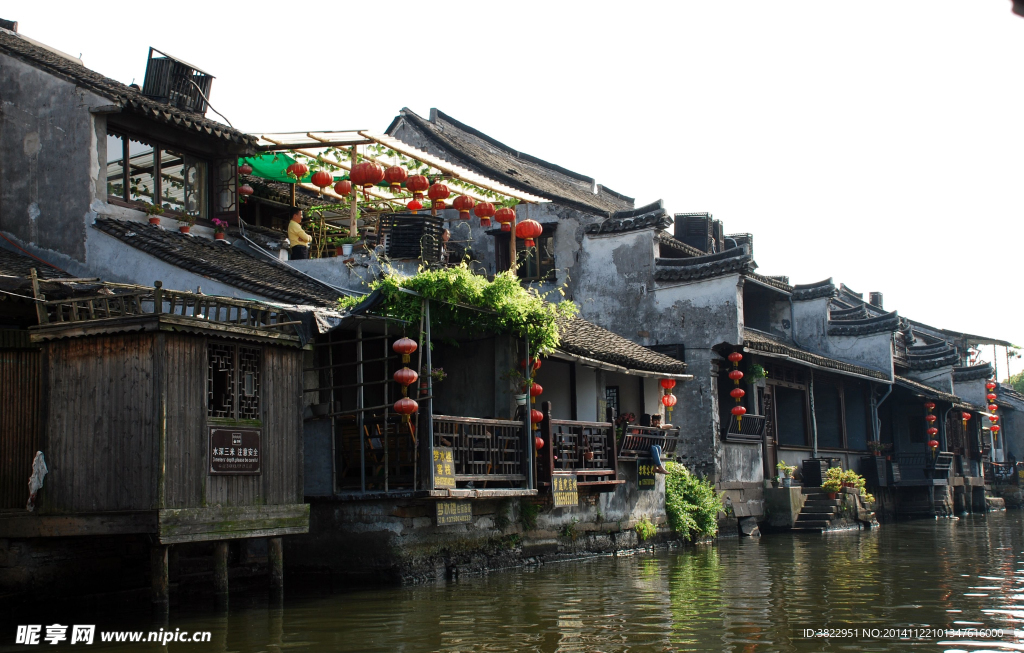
[
  {"x": 637, "y": 440},
  {"x": 924, "y": 468},
  {"x": 1003, "y": 473},
  {"x": 488, "y": 453},
  {"x": 586, "y": 449},
  {"x": 749, "y": 429}
]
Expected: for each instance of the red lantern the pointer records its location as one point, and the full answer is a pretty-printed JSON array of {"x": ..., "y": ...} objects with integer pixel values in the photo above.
[
  {"x": 992, "y": 408},
  {"x": 536, "y": 417},
  {"x": 739, "y": 411},
  {"x": 395, "y": 175},
  {"x": 406, "y": 406},
  {"x": 668, "y": 401},
  {"x": 735, "y": 358},
  {"x": 322, "y": 179},
  {"x": 930, "y": 418},
  {"x": 993, "y": 418},
  {"x": 737, "y": 393},
  {"x": 528, "y": 230},
  {"x": 994, "y": 429},
  {"x": 534, "y": 361},
  {"x": 538, "y": 443},
  {"x": 366, "y": 174},
  {"x": 417, "y": 185},
  {"x": 933, "y": 431},
  {"x": 245, "y": 189},
  {"x": 405, "y": 346},
  {"x": 929, "y": 405},
  {"x": 484, "y": 211},
  {"x": 297, "y": 170},
  {"x": 245, "y": 168},
  {"x": 405, "y": 377},
  {"x": 414, "y": 206},
  {"x": 990, "y": 386},
  {"x": 934, "y": 444},
  {"x": 736, "y": 375},
  {"x": 463, "y": 204},
  {"x": 438, "y": 193},
  {"x": 536, "y": 389},
  {"x": 965, "y": 417},
  {"x": 991, "y": 398},
  {"x": 668, "y": 384},
  {"x": 343, "y": 187},
  {"x": 506, "y": 217}
]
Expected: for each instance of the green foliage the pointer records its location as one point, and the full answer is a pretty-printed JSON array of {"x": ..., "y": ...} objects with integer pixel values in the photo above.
[
  {"x": 867, "y": 496},
  {"x": 784, "y": 469},
  {"x": 528, "y": 514},
  {"x": 569, "y": 531},
  {"x": 834, "y": 473},
  {"x": 1016, "y": 382},
  {"x": 645, "y": 529},
  {"x": 509, "y": 307},
  {"x": 691, "y": 503},
  {"x": 832, "y": 485},
  {"x": 755, "y": 373},
  {"x": 853, "y": 478},
  {"x": 502, "y": 518}
]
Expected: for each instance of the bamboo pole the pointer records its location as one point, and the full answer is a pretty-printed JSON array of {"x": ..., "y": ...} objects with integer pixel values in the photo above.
[{"x": 353, "y": 223}]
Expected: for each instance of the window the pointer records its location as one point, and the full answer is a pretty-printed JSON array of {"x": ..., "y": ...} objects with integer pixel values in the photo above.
[
  {"x": 791, "y": 416},
  {"x": 233, "y": 382},
  {"x": 828, "y": 415},
  {"x": 177, "y": 182},
  {"x": 535, "y": 263},
  {"x": 855, "y": 401},
  {"x": 611, "y": 396}
]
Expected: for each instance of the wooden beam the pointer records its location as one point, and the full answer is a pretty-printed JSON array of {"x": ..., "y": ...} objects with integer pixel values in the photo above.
[{"x": 178, "y": 525}]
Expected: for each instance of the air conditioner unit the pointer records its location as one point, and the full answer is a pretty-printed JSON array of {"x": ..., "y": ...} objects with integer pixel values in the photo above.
[{"x": 176, "y": 83}]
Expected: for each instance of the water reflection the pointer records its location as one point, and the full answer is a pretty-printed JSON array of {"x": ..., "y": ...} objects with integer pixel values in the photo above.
[{"x": 743, "y": 596}]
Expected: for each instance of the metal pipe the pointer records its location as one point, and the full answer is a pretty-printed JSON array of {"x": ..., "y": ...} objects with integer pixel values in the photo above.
[
  {"x": 876, "y": 421},
  {"x": 814, "y": 420}
]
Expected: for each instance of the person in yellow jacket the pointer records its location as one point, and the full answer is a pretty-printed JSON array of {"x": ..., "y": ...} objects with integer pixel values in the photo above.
[{"x": 297, "y": 238}]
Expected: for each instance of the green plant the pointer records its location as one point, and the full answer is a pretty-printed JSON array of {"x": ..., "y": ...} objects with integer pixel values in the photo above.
[
  {"x": 756, "y": 373},
  {"x": 528, "y": 514},
  {"x": 502, "y": 517},
  {"x": 784, "y": 469},
  {"x": 153, "y": 209},
  {"x": 835, "y": 473},
  {"x": 867, "y": 496},
  {"x": 853, "y": 479},
  {"x": 832, "y": 485},
  {"x": 691, "y": 503},
  {"x": 645, "y": 529},
  {"x": 569, "y": 531}
]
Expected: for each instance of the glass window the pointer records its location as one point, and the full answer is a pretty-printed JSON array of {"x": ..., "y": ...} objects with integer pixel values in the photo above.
[
  {"x": 115, "y": 166},
  {"x": 182, "y": 184},
  {"x": 141, "y": 182},
  {"x": 791, "y": 418},
  {"x": 536, "y": 263},
  {"x": 828, "y": 415},
  {"x": 856, "y": 400}
]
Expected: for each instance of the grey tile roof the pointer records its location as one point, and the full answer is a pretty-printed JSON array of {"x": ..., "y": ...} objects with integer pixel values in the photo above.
[
  {"x": 735, "y": 260},
  {"x": 221, "y": 262},
  {"x": 129, "y": 98},
  {"x": 760, "y": 341},
  {"x": 927, "y": 391},
  {"x": 930, "y": 357},
  {"x": 465, "y": 146},
  {"x": 672, "y": 242},
  {"x": 780, "y": 283},
  {"x": 806, "y": 291},
  {"x": 16, "y": 264},
  {"x": 653, "y": 215},
  {"x": 584, "y": 338},
  {"x": 972, "y": 372},
  {"x": 864, "y": 326}
]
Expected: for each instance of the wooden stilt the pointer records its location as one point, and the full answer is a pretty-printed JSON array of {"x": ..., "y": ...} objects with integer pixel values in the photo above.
[
  {"x": 160, "y": 587},
  {"x": 275, "y": 546},
  {"x": 220, "y": 567}
]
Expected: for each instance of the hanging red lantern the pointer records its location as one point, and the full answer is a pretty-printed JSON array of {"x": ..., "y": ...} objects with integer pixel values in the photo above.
[
  {"x": 245, "y": 169},
  {"x": 933, "y": 431},
  {"x": 735, "y": 358},
  {"x": 991, "y": 398},
  {"x": 438, "y": 193},
  {"x": 297, "y": 170},
  {"x": 739, "y": 411},
  {"x": 934, "y": 444},
  {"x": 993, "y": 418},
  {"x": 245, "y": 190},
  {"x": 528, "y": 230},
  {"x": 406, "y": 406},
  {"x": 991, "y": 385},
  {"x": 992, "y": 408},
  {"x": 417, "y": 185},
  {"x": 668, "y": 384},
  {"x": 343, "y": 187},
  {"x": 929, "y": 405},
  {"x": 322, "y": 179},
  {"x": 668, "y": 401},
  {"x": 965, "y": 417},
  {"x": 405, "y": 377},
  {"x": 930, "y": 418},
  {"x": 737, "y": 393},
  {"x": 536, "y": 389},
  {"x": 405, "y": 347},
  {"x": 414, "y": 206},
  {"x": 994, "y": 429},
  {"x": 538, "y": 443},
  {"x": 463, "y": 204},
  {"x": 484, "y": 211},
  {"x": 736, "y": 375},
  {"x": 533, "y": 361},
  {"x": 366, "y": 174},
  {"x": 506, "y": 217},
  {"x": 395, "y": 175},
  {"x": 536, "y": 417}
]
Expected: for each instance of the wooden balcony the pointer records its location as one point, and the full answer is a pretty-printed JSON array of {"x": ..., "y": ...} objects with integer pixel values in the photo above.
[
  {"x": 586, "y": 449},
  {"x": 1001, "y": 473},
  {"x": 488, "y": 453},
  {"x": 923, "y": 468},
  {"x": 749, "y": 430},
  {"x": 637, "y": 440}
]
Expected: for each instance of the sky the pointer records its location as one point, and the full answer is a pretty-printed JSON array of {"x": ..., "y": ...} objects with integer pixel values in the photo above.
[{"x": 878, "y": 143}]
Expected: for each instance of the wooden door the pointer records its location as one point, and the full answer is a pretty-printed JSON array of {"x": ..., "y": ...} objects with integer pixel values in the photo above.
[
  {"x": 21, "y": 399},
  {"x": 769, "y": 453}
]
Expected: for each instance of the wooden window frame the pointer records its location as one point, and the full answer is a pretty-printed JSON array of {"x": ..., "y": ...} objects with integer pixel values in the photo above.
[
  {"x": 545, "y": 272},
  {"x": 236, "y": 373}
]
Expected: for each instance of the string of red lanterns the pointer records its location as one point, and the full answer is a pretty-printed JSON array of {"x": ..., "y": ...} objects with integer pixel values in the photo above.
[
  {"x": 930, "y": 417},
  {"x": 405, "y": 377},
  {"x": 991, "y": 386},
  {"x": 528, "y": 230},
  {"x": 668, "y": 400},
  {"x": 737, "y": 393}
]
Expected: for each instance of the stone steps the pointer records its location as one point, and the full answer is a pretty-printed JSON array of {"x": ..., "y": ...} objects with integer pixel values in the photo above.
[{"x": 818, "y": 525}]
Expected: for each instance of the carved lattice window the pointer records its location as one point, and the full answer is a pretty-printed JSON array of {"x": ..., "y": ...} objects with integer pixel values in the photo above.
[{"x": 233, "y": 382}]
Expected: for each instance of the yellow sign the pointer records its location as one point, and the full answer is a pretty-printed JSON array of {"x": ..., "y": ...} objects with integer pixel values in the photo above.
[
  {"x": 443, "y": 466},
  {"x": 454, "y": 512},
  {"x": 645, "y": 478},
  {"x": 564, "y": 491}
]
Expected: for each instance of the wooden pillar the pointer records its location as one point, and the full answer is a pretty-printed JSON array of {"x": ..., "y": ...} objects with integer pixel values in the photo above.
[
  {"x": 160, "y": 584},
  {"x": 353, "y": 216},
  {"x": 275, "y": 550},
  {"x": 220, "y": 567}
]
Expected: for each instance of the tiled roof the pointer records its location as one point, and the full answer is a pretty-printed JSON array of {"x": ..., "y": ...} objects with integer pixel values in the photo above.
[
  {"x": 864, "y": 326},
  {"x": 15, "y": 264},
  {"x": 780, "y": 283},
  {"x": 129, "y": 98},
  {"x": 931, "y": 357},
  {"x": 672, "y": 242},
  {"x": 222, "y": 262},
  {"x": 652, "y": 215},
  {"x": 735, "y": 260},
  {"x": 763, "y": 342},
  {"x": 927, "y": 391},
  {"x": 972, "y": 372},
  {"x": 465, "y": 146},
  {"x": 805, "y": 291},
  {"x": 586, "y": 339}
]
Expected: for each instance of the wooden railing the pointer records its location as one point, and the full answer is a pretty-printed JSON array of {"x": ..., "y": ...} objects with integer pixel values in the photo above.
[
  {"x": 1001, "y": 473},
  {"x": 151, "y": 301},
  {"x": 924, "y": 468},
  {"x": 637, "y": 440},
  {"x": 586, "y": 449},
  {"x": 750, "y": 429},
  {"x": 488, "y": 453}
]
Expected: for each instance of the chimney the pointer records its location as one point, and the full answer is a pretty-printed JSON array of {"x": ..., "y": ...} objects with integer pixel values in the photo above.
[
  {"x": 875, "y": 299},
  {"x": 11, "y": 25}
]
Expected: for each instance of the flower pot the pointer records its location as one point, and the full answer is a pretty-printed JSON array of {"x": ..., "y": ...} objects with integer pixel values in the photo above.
[
  {"x": 588, "y": 455},
  {"x": 154, "y": 220},
  {"x": 831, "y": 495},
  {"x": 878, "y": 453},
  {"x": 218, "y": 235},
  {"x": 521, "y": 399},
  {"x": 787, "y": 482},
  {"x": 346, "y": 250},
  {"x": 184, "y": 229}
]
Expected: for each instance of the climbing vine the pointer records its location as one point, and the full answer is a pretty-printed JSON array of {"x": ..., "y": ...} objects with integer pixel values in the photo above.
[{"x": 506, "y": 306}]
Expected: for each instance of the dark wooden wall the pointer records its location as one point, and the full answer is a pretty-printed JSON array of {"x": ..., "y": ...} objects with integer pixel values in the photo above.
[
  {"x": 20, "y": 422},
  {"x": 101, "y": 434}
]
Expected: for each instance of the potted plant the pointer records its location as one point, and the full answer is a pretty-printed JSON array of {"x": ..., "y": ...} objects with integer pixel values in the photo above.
[
  {"x": 218, "y": 228},
  {"x": 877, "y": 447},
  {"x": 518, "y": 382},
  {"x": 852, "y": 479},
  {"x": 189, "y": 221},
  {"x": 785, "y": 473},
  {"x": 622, "y": 422},
  {"x": 154, "y": 211},
  {"x": 436, "y": 374},
  {"x": 831, "y": 486}
]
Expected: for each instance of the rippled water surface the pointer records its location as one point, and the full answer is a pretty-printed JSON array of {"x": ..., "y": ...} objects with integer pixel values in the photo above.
[{"x": 741, "y": 595}]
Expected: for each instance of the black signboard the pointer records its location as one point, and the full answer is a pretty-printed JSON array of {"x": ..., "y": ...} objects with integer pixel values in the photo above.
[
  {"x": 444, "y": 467},
  {"x": 564, "y": 490},
  {"x": 235, "y": 451},
  {"x": 645, "y": 478},
  {"x": 454, "y": 512}
]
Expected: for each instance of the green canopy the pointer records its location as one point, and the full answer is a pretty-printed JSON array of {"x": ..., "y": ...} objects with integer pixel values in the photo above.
[{"x": 273, "y": 166}]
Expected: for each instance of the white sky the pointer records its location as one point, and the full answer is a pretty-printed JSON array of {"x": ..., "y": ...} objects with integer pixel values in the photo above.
[{"x": 876, "y": 142}]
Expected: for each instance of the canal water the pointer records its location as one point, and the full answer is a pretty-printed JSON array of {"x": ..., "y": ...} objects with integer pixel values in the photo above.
[{"x": 943, "y": 585}]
